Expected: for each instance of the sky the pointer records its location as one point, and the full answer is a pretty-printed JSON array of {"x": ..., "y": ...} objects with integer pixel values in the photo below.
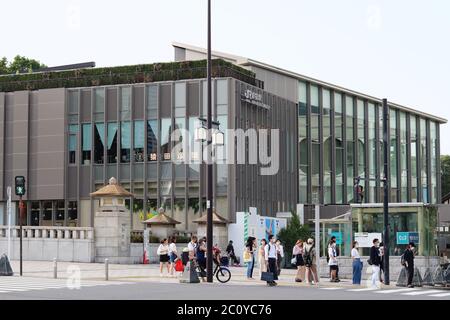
[{"x": 399, "y": 50}]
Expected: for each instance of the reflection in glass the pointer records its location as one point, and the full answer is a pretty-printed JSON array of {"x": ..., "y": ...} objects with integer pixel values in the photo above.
[
  {"x": 413, "y": 130},
  {"x": 73, "y": 130},
  {"x": 99, "y": 142},
  {"x": 165, "y": 138},
  {"x": 86, "y": 142},
  {"x": 350, "y": 140},
  {"x": 112, "y": 142},
  {"x": 139, "y": 141},
  {"x": 393, "y": 155},
  {"x": 152, "y": 140},
  {"x": 125, "y": 141}
]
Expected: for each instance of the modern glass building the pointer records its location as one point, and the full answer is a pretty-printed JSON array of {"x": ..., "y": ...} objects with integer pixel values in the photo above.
[
  {"x": 340, "y": 138},
  {"x": 69, "y": 140}
]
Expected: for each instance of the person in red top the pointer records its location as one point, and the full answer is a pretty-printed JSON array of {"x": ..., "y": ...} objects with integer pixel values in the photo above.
[{"x": 216, "y": 254}]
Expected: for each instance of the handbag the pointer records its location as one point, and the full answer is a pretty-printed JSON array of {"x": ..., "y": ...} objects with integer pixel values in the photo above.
[
  {"x": 267, "y": 276},
  {"x": 294, "y": 261},
  {"x": 179, "y": 266},
  {"x": 247, "y": 256}
]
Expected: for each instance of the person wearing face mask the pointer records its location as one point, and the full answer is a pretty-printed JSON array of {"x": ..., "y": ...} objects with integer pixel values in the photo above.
[
  {"x": 357, "y": 264},
  {"x": 332, "y": 260},
  {"x": 408, "y": 257},
  {"x": 375, "y": 261}
]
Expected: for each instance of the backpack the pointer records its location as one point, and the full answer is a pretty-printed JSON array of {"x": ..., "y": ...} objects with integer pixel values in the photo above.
[{"x": 308, "y": 257}]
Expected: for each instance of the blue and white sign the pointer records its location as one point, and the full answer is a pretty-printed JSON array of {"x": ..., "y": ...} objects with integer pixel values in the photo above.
[
  {"x": 407, "y": 237},
  {"x": 338, "y": 236}
]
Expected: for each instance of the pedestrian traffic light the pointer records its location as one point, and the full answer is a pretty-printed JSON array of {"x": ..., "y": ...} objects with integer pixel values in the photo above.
[{"x": 20, "y": 185}]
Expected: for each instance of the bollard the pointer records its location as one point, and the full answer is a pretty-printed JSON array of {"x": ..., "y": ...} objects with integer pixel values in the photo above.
[
  {"x": 55, "y": 268},
  {"x": 106, "y": 269}
]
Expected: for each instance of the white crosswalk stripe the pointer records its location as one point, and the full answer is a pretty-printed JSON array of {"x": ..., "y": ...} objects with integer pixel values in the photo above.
[
  {"x": 22, "y": 284},
  {"x": 440, "y": 295},
  {"x": 395, "y": 290},
  {"x": 420, "y": 292},
  {"x": 363, "y": 289},
  {"x": 332, "y": 288}
]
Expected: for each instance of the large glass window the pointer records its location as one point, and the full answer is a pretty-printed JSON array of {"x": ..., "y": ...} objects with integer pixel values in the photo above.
[
  {"x": 139, "y": 141},
  {"x": 393, "y": 154},
  {"x": 86, "y": 142},
  {"x": 73, "y": 131},
  {"x": 72, "y": 214},
  {"x": 125, "y": 106},
  {"x": 152, "y": 102},
  {"x": 47, "y": 213},
  {"x": 180, "y": 99},
  {"x": 361, "y": 139},
  {"x": 413, "y": 130},
  {"x": 327, "y": 145},
  {"x": 433, "y": 137},
  {"x": 180, "y": 139},
  {"x": 372, "y": 152},
  {"x": 403, "y": 159},
  {"x": 302, "y": 141},
  {"x": 350, "y": 140},
  {"x": 99, "y": 142},
  {"x": 315, "y": 164},
  {"x": 165, "y": 138},
  {"x": 423, "y": 160},
  {"x": 59, "y": 214},
  {"x": 99, "y": 105},
  {"x": 339, "y": 147},
  {"x": 112, "y": 142},
  {"x": 125, "y": 141},
  {"x": 35, "y": 213},
  {"x": 152, "y": 140}
]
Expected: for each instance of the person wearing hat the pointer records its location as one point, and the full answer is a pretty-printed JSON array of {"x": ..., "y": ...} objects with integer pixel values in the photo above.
[{"x": 408, "y": 257}]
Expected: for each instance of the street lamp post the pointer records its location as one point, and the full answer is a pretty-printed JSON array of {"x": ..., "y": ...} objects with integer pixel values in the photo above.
[
  {"x": 386, "y": 193},
  {"x": 209, "y": 195}
]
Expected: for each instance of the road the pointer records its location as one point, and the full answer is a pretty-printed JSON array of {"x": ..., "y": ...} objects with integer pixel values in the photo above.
[{"x": 26, "y": 288}]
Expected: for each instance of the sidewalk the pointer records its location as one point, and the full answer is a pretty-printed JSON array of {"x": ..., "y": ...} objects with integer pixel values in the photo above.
[{"x": 149, "y": 273}]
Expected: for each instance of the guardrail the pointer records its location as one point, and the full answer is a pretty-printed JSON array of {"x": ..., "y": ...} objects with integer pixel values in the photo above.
[{"x": 34, "y": 232}]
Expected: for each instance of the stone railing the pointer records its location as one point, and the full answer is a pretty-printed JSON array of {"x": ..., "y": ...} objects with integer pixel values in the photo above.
[{"x": 32, "y": 232}]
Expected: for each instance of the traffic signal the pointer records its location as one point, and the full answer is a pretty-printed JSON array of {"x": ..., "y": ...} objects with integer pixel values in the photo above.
[{"x": 20, "y": 185}]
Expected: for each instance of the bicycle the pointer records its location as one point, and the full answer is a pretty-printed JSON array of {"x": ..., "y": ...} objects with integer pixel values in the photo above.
[{"x": 222, "y": 273}]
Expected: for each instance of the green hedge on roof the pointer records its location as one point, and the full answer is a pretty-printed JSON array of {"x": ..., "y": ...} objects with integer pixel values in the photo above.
[{"x": 123, "y": 75}]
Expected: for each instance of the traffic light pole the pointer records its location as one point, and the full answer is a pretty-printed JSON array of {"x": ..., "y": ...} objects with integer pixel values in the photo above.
[
  {"x": 21, "y": 214},
  {"x": 386, "y": 192}
]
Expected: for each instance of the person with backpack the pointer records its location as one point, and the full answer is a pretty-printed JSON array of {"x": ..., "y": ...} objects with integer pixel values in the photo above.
[
  {"x": 297, "y": 252},
  {"x": 201, "y": 256},
  {"x": 375, "y": 261},
  {"x": 357, "y": 264},
  {"x": 270, "y": 255},
  {"x": 309, "y": 257},
  {"x": 407, "y": 260}
]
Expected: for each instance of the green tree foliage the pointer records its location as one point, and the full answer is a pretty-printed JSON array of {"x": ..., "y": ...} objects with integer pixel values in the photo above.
[
  {"x": 19, "y": 64},
  {"x": 293, "y": 232},
  {"x": 445, "y": 177}
]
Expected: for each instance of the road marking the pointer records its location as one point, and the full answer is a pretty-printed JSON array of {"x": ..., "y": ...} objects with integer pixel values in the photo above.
[
  {"x": 440, "y": 295},
  {"x": 332, "y": 288},
  {"x": 416, "y": 293},
  {"x": 363, "y": 289},
  {"x": 396, "y": 290}
]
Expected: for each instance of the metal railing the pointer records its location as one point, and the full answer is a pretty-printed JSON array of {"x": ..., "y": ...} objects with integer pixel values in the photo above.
[{"x": 35, "y": 232}]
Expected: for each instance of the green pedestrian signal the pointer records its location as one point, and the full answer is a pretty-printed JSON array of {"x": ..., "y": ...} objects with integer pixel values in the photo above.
[{"x": 20, "y": 185}]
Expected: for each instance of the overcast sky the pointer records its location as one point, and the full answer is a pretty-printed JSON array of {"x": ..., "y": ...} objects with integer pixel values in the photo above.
[{"x": 395, "y": 49}]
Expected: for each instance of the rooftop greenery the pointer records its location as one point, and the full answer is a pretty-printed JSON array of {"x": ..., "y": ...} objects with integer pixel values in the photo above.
[{"x": 124, "y": 75}]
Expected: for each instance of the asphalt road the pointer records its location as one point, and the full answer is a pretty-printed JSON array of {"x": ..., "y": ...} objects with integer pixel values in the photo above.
[{"x": 38, "y": 288}]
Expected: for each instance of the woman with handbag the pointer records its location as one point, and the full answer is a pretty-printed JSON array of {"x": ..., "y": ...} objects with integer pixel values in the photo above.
[
  {"x": 297, "y": 252},
  {"x": 163, "y": 253},
  {"x": 357, "y": 264},
  {"x": 249, "y": 256},
  {"x": 261, "y": 259}
]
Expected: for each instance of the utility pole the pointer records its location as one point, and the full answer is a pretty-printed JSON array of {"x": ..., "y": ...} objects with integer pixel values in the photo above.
[
  {"x": 209, "y": 195},
  {"x": 386, "y": 193}
]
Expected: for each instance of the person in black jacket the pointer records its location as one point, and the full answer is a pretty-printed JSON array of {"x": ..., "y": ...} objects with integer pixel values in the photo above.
[
  {"x": 408, "y": 257},
  {"x": 375, "y": 261}
]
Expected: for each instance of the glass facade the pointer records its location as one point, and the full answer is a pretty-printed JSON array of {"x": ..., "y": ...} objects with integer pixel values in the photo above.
[{"x": 340, "y": 137}]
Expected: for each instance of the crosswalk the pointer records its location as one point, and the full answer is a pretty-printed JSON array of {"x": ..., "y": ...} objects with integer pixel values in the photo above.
[
  {"x": 402, "y": 291},
  {"x": 23, "y": 284}
]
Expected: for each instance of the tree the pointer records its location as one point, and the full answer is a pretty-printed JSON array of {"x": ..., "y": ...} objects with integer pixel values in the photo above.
[
  {"x": 19, "y": 64},
  {"x": 293, "y": 232},
  {"x": 445, "y": 176}
]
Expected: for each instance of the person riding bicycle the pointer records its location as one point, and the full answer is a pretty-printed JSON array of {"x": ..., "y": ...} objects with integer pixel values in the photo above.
[{"x": 216, "y": 254}]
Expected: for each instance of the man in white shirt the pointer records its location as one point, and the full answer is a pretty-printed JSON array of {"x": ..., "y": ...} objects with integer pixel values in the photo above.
[{"x": 270, "y": 255}]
